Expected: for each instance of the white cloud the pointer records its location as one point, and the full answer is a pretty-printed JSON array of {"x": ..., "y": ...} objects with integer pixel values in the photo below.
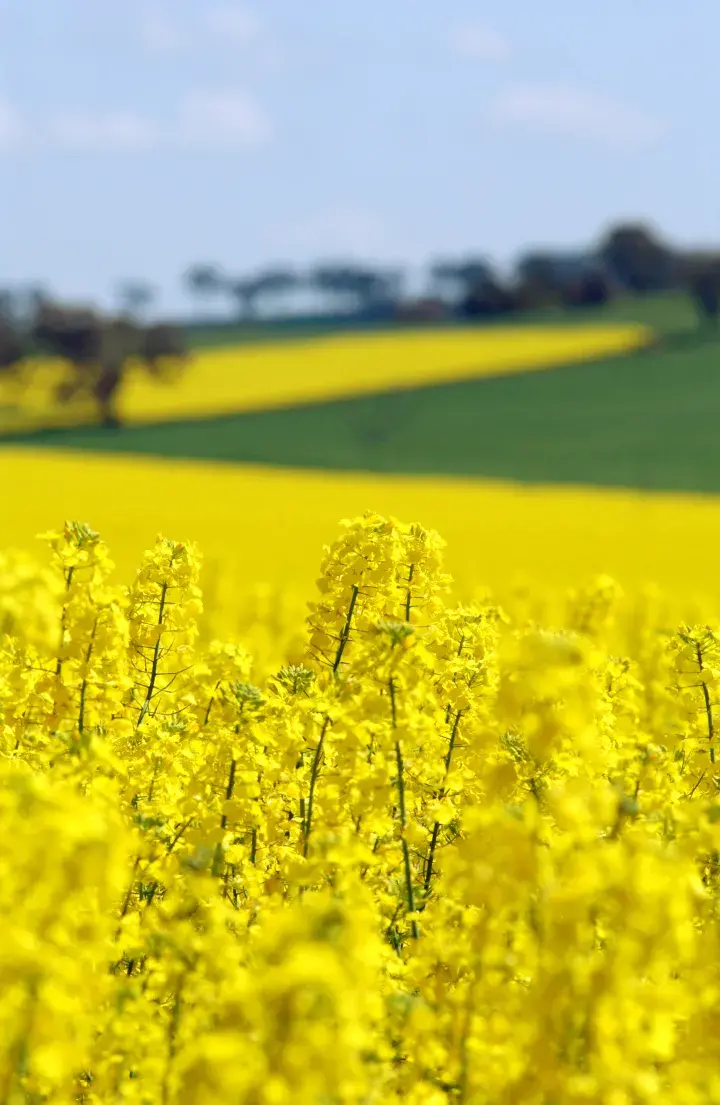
[
  {"x": 102, "y": 132},
  {"x": 205, "y": 119},
  {"x": 479, "y": 42},
  {"x": 223, "y": 118},
  {"x": 565, "y": 110},
  {"x": 12, "y": 131}
]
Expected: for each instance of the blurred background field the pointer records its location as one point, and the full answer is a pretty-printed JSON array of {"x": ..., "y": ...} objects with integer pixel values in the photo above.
[
  {"x": 230, "y": 379},
  {"x": 518, "y": 345},
  {"x": 254, "y": 453},
  {"x": 261, "y": 529}
]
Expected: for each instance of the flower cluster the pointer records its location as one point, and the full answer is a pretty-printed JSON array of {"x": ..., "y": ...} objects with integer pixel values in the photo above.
[{"x": 441, "y": 855}]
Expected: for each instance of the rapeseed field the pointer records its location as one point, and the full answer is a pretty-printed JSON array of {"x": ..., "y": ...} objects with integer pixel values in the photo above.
[
  {"x": 446, "y": 854},
  {"x": 229, "y": 380},
  {"x": 260, "y": 527}
]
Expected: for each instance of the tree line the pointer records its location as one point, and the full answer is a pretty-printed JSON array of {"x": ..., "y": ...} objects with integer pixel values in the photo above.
[
  {"x": 99, "y": 347},
  {"x": 630, "y": 258}
]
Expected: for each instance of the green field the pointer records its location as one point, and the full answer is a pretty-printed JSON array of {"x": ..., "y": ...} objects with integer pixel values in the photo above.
[{"x": 648, "y": 420}]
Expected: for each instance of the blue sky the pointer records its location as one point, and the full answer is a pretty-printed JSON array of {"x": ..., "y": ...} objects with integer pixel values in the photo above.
[{"x": 139, "y": 136}]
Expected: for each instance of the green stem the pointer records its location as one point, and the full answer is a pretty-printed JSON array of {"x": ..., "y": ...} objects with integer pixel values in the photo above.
[
  {"x": 708, "y": 705},
  {"x": 313, "y": 783},
  {"x": 81, "y": 718},
  {"x": 436, "y": 826},
  {"x": 345, "y": 634},
  {"x": 172, "y": 1031},
  {"x": 63, "y": 620},
  {"x": 128, "y": 896},
  {"x": 408, "y": 603},
  {"x": 178, "y": 834},
  {"x": 393, "y": 708},
  {"x": 401, "y": 802},
  {"x": 451, "y": 746},
  {"x": 229, "y": 789},
  {"x": 217, "y": 858},
  {"x": 405, "y": 850},
  {"x": 431, "y": 856},
  {"x": 210, "y": 704},
  {"x": 156, "y": 658}
]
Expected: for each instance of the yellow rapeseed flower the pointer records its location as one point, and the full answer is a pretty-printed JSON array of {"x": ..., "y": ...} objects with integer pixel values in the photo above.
[{"x": 446, "y": 853}]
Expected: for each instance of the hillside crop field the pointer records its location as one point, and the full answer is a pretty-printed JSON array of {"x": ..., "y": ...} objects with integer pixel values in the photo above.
[
  {"x": 450, "y": 427},
  {"x": 238, "y": 378},
  {"x": 408, "y": 422}
]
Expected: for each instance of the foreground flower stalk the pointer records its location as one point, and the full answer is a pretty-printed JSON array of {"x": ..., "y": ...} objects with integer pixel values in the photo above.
[{"x": 438, "y": 856}]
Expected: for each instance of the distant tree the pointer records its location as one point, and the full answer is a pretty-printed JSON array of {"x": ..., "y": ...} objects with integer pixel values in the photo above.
[
  {"x": 393, "y": 285},
  {"x": 531, "y": 294},
  {"x": 245, "y": 293},
  {"x": 590, "y": 290},
  {"x": 475, "y": 273},
  {"x": 555, "y": 270},
  {"x": 73, "y": 333},
  {"x": 334, "y": 281},
  {"x": 539, "y": 270},
  {"x": 371, "y": 287},
  {"x": 488, "y": 299},
  {"x": 135, "y": 296},
  {"x": 547, "y": 278},
  {"x": 99, "y": 348},
  {"x": 20, "y": 304},
  {"x": 275, "y": 283},
  {"x": 7, "y": 303},
  {"x": 701, "y": 278},
  {"x": 456, "y": 279},
  {"x": 266, "y": 285},
  {"x": 358, "y": 286},
  {"x": 12, "y": 346},
  {"x": 638, "y": 259},
  {"x": 441, "y": 274},
  {"x": 205, "y": 282},
  {"x": 34, "y": 297}
]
